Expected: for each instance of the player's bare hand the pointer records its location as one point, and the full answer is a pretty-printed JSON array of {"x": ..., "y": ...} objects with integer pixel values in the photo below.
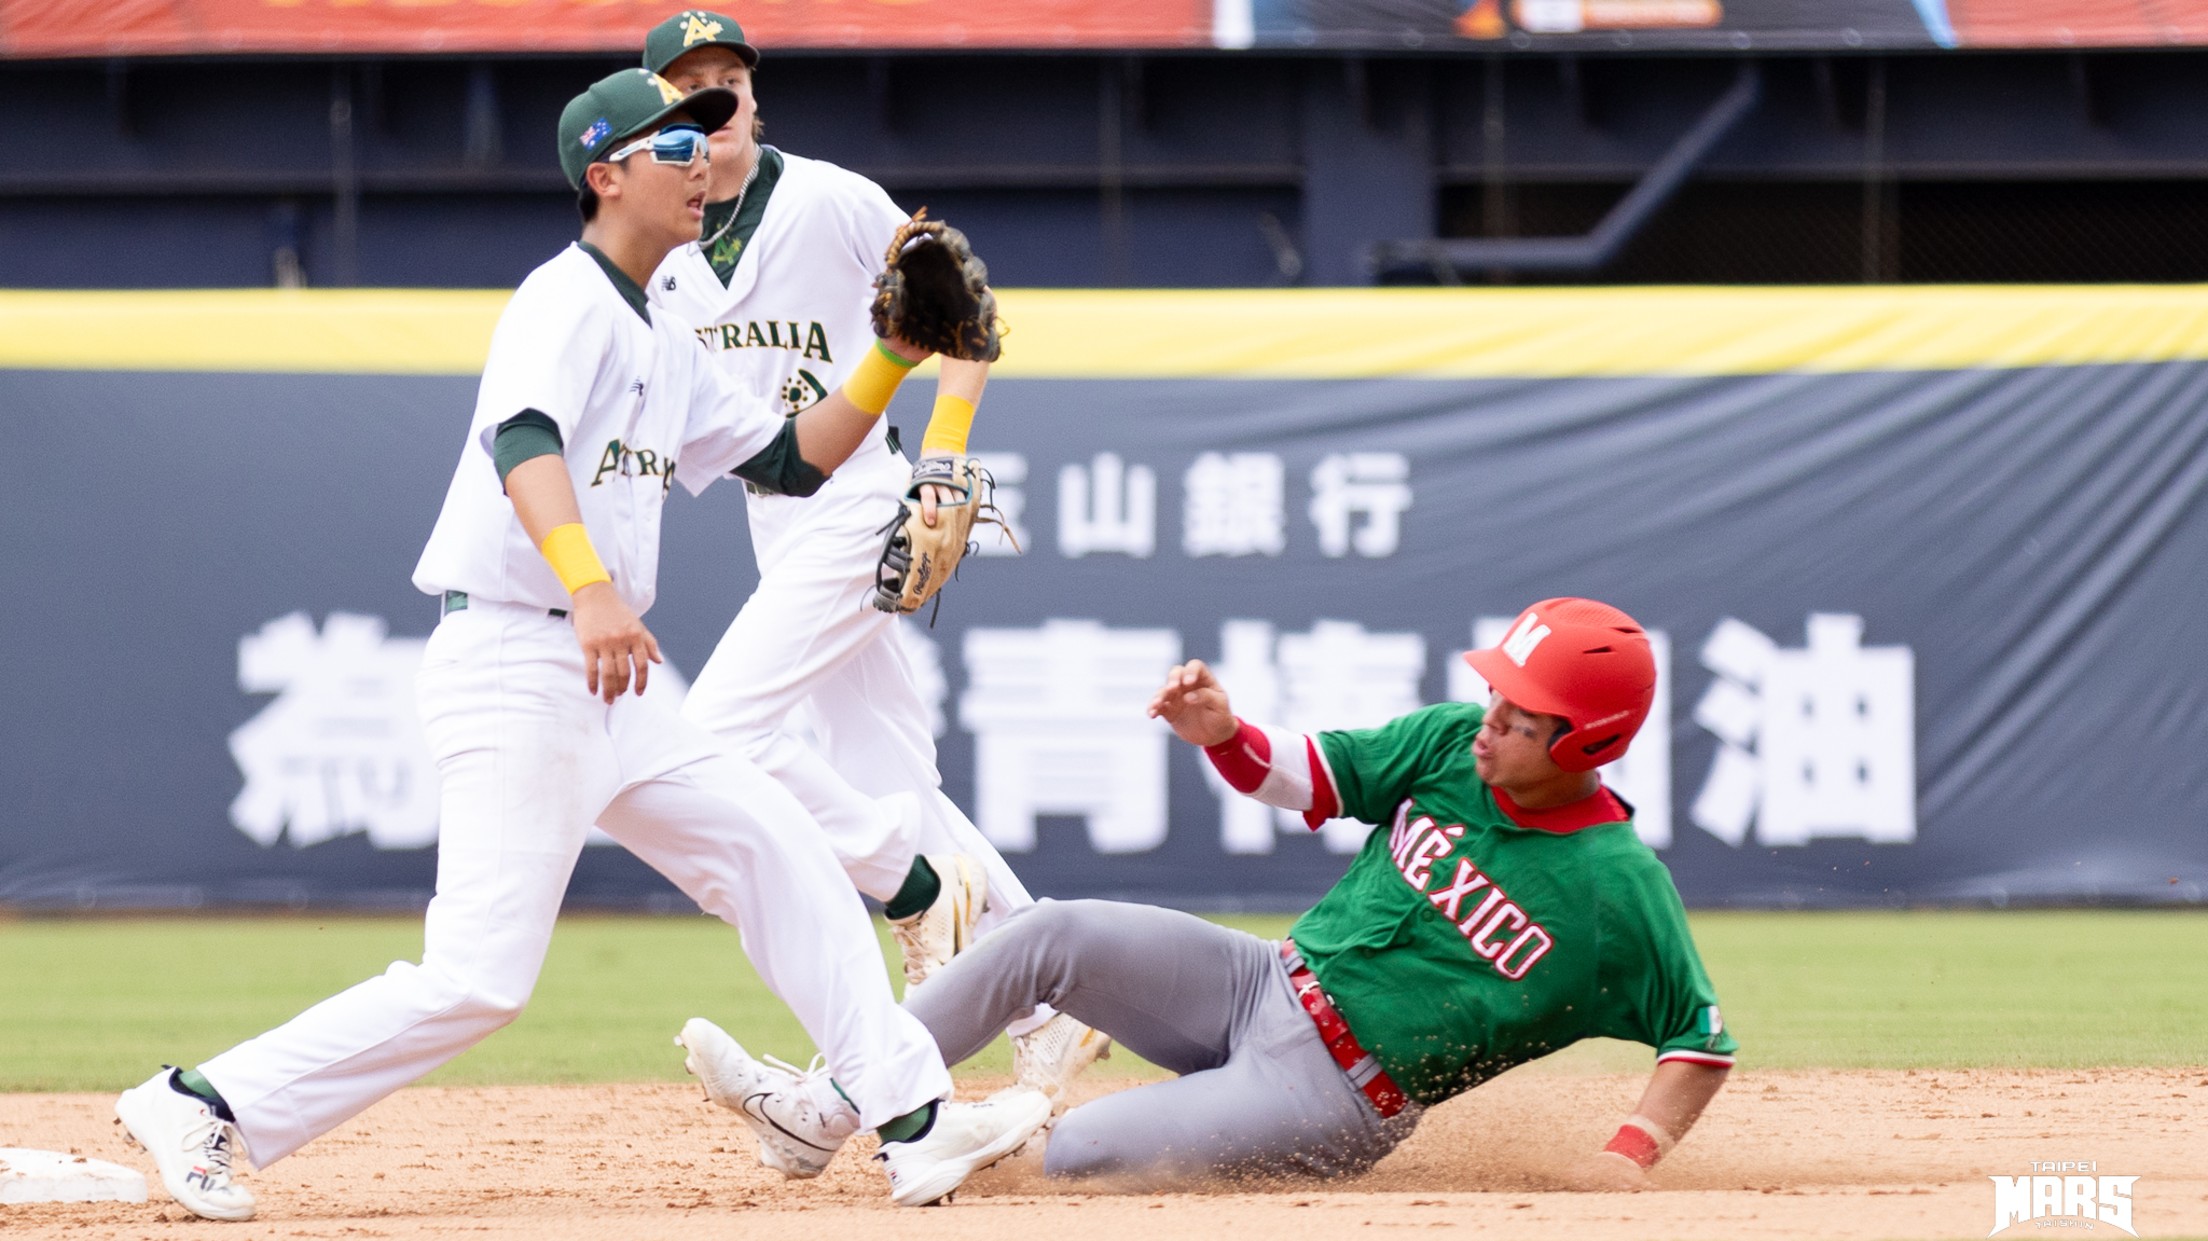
[
  {"x": 1195, "y": 704},
  {"x": 1605, "y": 1172},
  {"x": 617, "y": 649}
]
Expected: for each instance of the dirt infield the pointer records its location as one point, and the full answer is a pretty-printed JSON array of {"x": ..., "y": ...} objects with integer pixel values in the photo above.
[{"x": 1781, "y": 1154}]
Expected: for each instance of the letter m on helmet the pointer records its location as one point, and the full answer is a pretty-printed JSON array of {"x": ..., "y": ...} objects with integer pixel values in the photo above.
[{"x": 1527, "y": 635}]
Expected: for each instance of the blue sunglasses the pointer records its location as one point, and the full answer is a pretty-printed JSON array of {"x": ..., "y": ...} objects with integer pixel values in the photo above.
[{"x": 673, "y": 144}]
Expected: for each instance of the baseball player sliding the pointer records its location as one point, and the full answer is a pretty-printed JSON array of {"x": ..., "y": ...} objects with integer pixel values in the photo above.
[
  {"x": 778, "y": 283},
  {"x": 1504, "y": 910},
  {"x": 592, "y": 405}
]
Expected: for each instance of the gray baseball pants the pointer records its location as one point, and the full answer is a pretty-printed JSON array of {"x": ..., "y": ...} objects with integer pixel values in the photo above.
[{"x": 1258, "y": 1094}]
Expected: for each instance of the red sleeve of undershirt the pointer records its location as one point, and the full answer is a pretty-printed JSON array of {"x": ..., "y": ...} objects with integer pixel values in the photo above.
[
  {"x": 1325, "y": 802},
  {"x": 1243, "y": 759},
  {"x": 1246, "y": 759}
]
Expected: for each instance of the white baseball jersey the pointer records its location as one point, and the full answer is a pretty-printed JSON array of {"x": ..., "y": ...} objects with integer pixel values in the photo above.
[
  {"x": 792, "y": 321},
  {"x": 529, "y": 759},
  {"x": 638, "y": 405},
  {"x": 788, "y": 327}
]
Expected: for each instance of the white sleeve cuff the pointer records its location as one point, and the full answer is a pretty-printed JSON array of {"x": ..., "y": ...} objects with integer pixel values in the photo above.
[{"x": 1287, "y": 782}]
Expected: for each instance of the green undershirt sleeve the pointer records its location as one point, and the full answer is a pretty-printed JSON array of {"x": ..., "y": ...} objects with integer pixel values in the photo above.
[
  {"x": 526, "y": 435},
  {"x": 779, "y": 467}
]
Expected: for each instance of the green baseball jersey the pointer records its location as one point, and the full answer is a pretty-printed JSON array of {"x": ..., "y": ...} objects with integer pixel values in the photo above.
[{"x": 1460, "y": 943}]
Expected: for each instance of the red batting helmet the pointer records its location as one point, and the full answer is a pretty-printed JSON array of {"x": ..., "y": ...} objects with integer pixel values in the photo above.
[{"x": 1583, "y": 660}]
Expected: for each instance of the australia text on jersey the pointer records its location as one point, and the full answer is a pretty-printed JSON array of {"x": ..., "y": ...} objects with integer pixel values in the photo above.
[
  {"x": 1416, "y": 844},
  {"x": 621, "y": 461},
  {"x": 768, "y": 334},
  {"x": 799, "y": 390}
]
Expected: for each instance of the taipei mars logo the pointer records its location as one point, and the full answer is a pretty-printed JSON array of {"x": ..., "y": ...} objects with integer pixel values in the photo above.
[{"x": 2064, "y": 1193}]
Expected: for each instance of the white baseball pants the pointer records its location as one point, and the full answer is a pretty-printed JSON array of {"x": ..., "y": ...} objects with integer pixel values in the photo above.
[
  {"x": 808, "y": 636},
  {"x": 529, "y": 761}
]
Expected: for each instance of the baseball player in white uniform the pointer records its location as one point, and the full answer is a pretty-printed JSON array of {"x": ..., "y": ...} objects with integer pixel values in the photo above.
[
  {"x": 778, "y": 284},
  {"x": 545, "y": 556}
]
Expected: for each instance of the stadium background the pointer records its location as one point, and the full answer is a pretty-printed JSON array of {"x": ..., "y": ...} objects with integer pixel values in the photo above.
[
  {"x": 2006, "y": 484},
  {"x": 1773, "y": 313}
]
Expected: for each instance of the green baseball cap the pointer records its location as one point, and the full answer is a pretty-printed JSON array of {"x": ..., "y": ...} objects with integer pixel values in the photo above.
[
  {"x": 627, "y": 103},
  {"x": 692, "y": 29}
]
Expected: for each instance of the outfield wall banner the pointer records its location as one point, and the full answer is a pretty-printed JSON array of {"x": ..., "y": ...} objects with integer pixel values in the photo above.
[
  {"x": 1721, "y": 25},
  {"x": 71, "y": 28},
  {"x": 1925, "y": 568},
  {"x": 56, "y": 28}
]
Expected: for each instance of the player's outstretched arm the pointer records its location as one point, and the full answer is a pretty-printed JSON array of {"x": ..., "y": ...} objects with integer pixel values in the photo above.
[
  {"x": 1676, "y": 1095},
  {"x": 613, "y": 638},
  {"x": 829, "y": 431},
  {"x": 1274, "y": 765}
]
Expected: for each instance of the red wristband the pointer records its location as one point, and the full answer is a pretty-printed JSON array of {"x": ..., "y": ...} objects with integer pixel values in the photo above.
[
  {"x": 1244, "y": 758},
  {"x": 1635, "y": 1144}
]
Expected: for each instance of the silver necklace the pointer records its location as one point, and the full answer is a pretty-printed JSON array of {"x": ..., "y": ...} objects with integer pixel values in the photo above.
[{"x": 733, "y": 212}]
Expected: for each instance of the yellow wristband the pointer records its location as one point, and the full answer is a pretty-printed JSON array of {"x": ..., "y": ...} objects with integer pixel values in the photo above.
[
  {"x": 948, "y": 427},
  {"x": 875, "y": 381},
  {"x": 573, "y": 558}
]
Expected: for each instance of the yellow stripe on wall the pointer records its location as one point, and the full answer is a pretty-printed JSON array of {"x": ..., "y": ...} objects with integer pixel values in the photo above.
[
  {"x": 1241, "y": 333},
  {"x": 331, "y": 331},
  {"x": 1558, "y": 333}
]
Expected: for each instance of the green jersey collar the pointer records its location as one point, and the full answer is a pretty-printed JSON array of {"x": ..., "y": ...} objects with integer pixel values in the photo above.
[{"x": 630, "y": 291}]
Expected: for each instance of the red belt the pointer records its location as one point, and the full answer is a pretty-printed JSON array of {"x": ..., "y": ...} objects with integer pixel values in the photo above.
[{"x": 1363, "y": 1071}]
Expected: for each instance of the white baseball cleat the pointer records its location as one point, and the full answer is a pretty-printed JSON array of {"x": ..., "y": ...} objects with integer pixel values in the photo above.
[
  {"x": 965, "y": 1138},
  {"x": 798, "y": 1134},
  {"x": 1051, "y": 1055},
  {"x": 190, "y": 1144},
  {"x": 930, "y": 938}
]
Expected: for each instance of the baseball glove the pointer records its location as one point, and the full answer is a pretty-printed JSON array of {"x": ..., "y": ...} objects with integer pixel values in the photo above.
[
  {"x": 917, "y": 558},
  {"x": 934, "y": 292}
]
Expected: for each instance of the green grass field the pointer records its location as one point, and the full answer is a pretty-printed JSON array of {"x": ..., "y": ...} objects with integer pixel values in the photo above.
[{"x": 96, "y": 1004}]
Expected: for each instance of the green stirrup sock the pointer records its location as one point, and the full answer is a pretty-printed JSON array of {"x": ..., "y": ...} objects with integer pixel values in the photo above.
[
  {"x": 909, "y": 1126},
  {"x": 922, "y": 886},
  {"x": 192, "y": 1082},
  {"x": 190, "y": 1079}
]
